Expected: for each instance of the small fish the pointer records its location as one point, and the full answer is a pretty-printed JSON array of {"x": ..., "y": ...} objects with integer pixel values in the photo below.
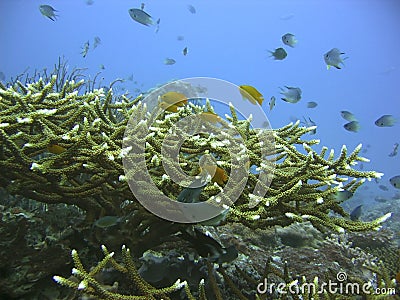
[
  {"x": 97, "y": 41},
  {"x": 185, "y": 51},
  {"x": 102, "y": 67},
  {"x": 292, "y": 94},
  {"x": 2, "y": 76},
  {"x": 206, "y": 246},
  {"x": 278, "y": 54},
  {"x": 55, "y": 149},
  {"x": 180, "y": 37},
  {"x": 210, "y": 117},
  {"x": 348, "y": 116},
  {"x": 251, "y": 93},
  {"x": 395, "y": 181},
  {"x": 289, "y": 40},
  {"x": 48, "y": 11},
  {"x": 191, "y": 9},
  {"x": 191, "y": 194},
  {"x": 157, "y": 25},
  {"x": 140, "y": 16},
  {"x": 169, "y": 61},
  {"x": 385, "y": 121},
  {"x": 383, "y": 187},
  {"x": 130, "y": 78},
  {"x": 219, "y": 177},
  {"x": 85, "y": 49},
  {"x": 332, "y": 58},
  {"x": 394, "y": 151},
  {"x": 272, "y": 102},
  {"x": 353, "y": 126},
  {"x": 174, "y": 98},
  {"x": 309, "y": 123},
  {"x": 107, "y": 221},
  {"x": 312, "y": 104},
  {"x": 356, "y": 213},
  {"x": 89, "y": 2},
  {"x": 343, "y": 195},
  {"x": 142, "y": 6},
  {"x": 168, "y": 107}
]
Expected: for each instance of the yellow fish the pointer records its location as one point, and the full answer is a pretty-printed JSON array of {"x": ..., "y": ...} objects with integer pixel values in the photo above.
[
  {"x": 251, "y": 93},
  {"x": 168, "y": 107},
  {"x": 175, "y": 98},
  {"x": 210, "y": 117},
  {"x": 55, "y": 149},
  {"x": 219, "y": 177}
]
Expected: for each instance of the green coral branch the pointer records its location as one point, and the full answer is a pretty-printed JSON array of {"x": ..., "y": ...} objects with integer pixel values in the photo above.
[{"x": 89, "y": 285}]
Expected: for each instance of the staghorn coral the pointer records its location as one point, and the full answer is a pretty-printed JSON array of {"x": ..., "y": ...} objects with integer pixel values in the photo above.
[
  {"x": 87, "y": 169},
  {"x": 87, "y": 283}
]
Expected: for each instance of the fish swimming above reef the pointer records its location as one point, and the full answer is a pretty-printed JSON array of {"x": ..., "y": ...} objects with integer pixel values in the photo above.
[
  {"x": 219, "y": 177},
  {"x": 48, "y": 11},
  {"x": 291, "y": 95},
  {"x": 312, "y": 104},
  {"x": 107, "y": 221},
  {"x": 385, "y": 121},
  {"x": 210, "y": 117},
  {"x": 356, "y": 213},
  {"x": 170, "y": 101},
  {"x": 332, "y": 58},
  {"x": 343, "y": 195},
  {"x": 85, "y": 49},
  {"x": 278, "y": 54},
  {"x": 55, "y": 149},
  {"x": 175, "y": 98},
  {"x": 309, "y": 123},
  {"x": 289, "y": 40},
  {"x": 140, "y": 16},
  {"x": 169, "y": 61},
  {"x": 191, "y": 194},
  {"x": 348, "y": 116},
  {"x": 96, "y": 42},
  {"x": 185, "y": 51},
  {"x": 251, "y": 93},
  {"x": 272, "y": 103},
  {"x": 157, "y": 25},
  {"x": 353, "y": 126},
  {"x": 206, "y": 246},
  {"x": 191, "y": 9},
  {"x": 394, "y": 151},
  {"x": 395, "y": 181}
]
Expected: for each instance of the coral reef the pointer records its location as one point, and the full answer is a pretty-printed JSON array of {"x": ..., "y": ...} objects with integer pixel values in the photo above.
[
  {"x": 62, "y": 147},
  {"x": 61, "y": 143}
]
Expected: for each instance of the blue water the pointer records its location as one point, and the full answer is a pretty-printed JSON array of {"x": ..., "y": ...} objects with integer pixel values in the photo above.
[{"x": 230, "y": 40}]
